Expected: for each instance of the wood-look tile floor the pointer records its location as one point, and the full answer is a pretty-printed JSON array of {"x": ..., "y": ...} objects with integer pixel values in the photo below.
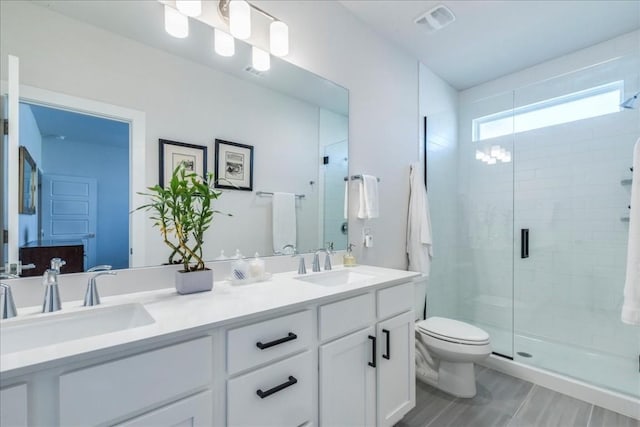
[{"x": 503, "y": 400}]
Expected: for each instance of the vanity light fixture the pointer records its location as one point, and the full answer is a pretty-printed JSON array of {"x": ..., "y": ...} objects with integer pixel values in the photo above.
[
  {"x": 240, "y": 19},
  {"x": 223, "y": 43},
  {"x": 191, "y": 8},
  {"x": 175, "y": 23},
  {"x": 261, "y": 60},
  {"x": 279, "y": 38},
  {"x": 238, "y": 14}
]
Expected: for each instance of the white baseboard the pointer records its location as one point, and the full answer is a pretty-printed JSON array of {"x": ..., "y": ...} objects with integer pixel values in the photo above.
[{"x": 607, "y": 399}]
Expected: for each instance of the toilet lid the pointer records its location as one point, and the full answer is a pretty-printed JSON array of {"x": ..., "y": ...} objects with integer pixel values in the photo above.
[{"x": 453, "y": 330}]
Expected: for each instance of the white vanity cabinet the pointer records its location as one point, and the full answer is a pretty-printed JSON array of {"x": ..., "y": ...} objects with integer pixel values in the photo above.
[
  {"x": 13, "y": 406},
  {"x": 277, "y": 377},
  {"x": 368, "y": 377},
  {"x": 116, "y": 390}
]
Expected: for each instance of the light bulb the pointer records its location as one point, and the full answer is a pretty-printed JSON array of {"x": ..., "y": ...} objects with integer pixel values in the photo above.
[
  {"x": 495, "y": 151},
  {"x": 240, "y": 19},
  {"x": 261, "y": 59},
  {"x": 479, "y": 155},
  {"x": 223, "y": 43},
  {"x": 189, "y": 7},
  {"x": 279, "y": 38},
  {"x": 175, "y": 23},
  {"x": 491, "y": 161}
]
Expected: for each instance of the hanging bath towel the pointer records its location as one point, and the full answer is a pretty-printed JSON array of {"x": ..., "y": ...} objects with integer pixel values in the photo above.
[
  {"x": 369, "y": 203},
  {"x": 631, "y": 305},
  {"x": 419, "y": 240}
]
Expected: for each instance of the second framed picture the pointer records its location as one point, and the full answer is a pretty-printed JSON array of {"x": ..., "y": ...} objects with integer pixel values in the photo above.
[{"x": 233, "y": 166}]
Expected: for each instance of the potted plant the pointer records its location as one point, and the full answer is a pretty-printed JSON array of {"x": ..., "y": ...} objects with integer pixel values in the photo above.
[{"x": 183, "y": 211}]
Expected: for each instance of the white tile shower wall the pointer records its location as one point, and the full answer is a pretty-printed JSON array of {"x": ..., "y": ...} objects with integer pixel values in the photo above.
[
  {"x": 438, "y": 101},
  {"x": 568, "y": 193}
]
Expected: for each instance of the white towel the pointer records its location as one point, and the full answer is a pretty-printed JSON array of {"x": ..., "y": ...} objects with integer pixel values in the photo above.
[
  {"x": 284, "y": 221},
  {"x": 631, "y": 305},
  {"x": 369, "y": 205},
  {"x": 419, "y": 240}
]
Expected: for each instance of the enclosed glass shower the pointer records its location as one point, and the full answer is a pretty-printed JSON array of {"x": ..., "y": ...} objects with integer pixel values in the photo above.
[{"x": 542, "y": 181}]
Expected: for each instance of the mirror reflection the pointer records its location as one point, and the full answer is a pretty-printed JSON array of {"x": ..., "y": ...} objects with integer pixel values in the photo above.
[{"x": 78, "y": 56}]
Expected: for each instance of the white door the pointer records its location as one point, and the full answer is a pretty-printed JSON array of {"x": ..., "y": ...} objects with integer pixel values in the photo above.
[
  {"x": 12, "y": 113},
  {"x": 69, "y": 211},
  {"x": 347, "y": 381},
  {"x": 396, "y": 368},
  {"x": 3, "y": 183},
  {"x": 194, "y": 411}
]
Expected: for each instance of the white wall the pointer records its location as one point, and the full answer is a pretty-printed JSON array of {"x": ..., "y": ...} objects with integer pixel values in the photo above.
[
  {"x": 439, "y": 103},
  {"x": 383, "y": 109}
]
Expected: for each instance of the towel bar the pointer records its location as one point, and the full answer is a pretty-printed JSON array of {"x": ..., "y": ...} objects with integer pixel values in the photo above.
[
  {"x": 269, "y": 193},
  {"x": 346, "y": 178}
]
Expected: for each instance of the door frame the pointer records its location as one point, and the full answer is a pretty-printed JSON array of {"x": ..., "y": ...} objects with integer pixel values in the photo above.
[{"x": 137, "y": 150}]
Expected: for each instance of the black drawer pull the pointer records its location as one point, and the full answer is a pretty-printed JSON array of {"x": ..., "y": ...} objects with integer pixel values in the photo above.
[
  {"x": 289, "y": 337},
  {"x": 388, "y": 334},
  {"x": 524, "y": 243},
  {"x": 373, "y": 351},
  {"x": 289, "y": 383}
]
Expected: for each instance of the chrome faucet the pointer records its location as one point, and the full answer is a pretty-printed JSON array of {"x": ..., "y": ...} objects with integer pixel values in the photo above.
[
  {"x": 316, "y": 261},
  {"x": 51, "y": 293},
  {"x": 103, "y": 267},
  {"x": 91, "y": 296},
  {"x": 327, "y": 258},
  {"x": 289, "y": 246},
  {"x": 7, "y": 306},
  {"x": 302, "y": 268},
  {"x": 57, "y": 263}
]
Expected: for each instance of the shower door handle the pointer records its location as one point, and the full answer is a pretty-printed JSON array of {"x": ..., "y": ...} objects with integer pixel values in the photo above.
[{"x": 524, "y": 243}]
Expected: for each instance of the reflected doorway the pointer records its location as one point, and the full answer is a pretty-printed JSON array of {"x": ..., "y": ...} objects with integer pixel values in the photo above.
[{"x": 83, "y": 189}]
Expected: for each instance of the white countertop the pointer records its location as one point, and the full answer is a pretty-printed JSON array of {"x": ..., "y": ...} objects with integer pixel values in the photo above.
[{"x": 178, "y": 314}]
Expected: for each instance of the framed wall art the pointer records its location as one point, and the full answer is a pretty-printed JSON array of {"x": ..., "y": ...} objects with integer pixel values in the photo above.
[
  {"x": 233, "y": 166},
  {"x": 173, "y": 153}
]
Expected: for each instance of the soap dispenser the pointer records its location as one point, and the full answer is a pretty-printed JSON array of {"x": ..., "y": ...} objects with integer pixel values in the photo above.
[
  {"x": 239, "y": 268},
  {"x": 349, "y": 260}
]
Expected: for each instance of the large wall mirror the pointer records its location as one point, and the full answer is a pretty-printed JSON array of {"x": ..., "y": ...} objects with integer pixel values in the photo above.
[{"x": 101, "y": 83}]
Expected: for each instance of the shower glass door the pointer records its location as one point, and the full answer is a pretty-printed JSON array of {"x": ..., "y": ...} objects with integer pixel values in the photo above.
[
  {"x": 485, "y": 219},
  {"x": 572, "y": 146}
]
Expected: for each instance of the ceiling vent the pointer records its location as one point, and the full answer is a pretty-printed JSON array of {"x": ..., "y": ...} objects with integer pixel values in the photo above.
[{"x": 436, "y": 18}]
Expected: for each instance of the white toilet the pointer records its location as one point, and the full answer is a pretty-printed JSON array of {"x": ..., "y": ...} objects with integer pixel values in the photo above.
[{"x": 446, "y": 350}]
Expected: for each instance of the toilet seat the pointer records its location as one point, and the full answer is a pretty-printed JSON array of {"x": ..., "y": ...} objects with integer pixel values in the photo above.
[{"x": 453, "y": 331}]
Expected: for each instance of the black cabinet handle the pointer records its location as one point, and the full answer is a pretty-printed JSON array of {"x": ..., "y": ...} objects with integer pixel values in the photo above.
[
  {"x": 292, "y": 380},
  {"x": 524, "y": 243},
  {"x": 388, "y": 334},
  {"x": 289, "y": 337},
  {"x": 373, "y": 351}
]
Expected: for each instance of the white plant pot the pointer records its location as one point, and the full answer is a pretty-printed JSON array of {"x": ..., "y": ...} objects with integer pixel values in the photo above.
[{"x": 194, "y": 281}]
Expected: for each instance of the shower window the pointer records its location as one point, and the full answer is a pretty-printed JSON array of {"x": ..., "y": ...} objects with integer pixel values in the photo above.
[{"x": 592, "y": 102}]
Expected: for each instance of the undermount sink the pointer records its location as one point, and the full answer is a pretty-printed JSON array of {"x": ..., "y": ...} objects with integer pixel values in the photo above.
[
  {"x": 335, "y": 278},
  {"x": 19, "y": 335}
]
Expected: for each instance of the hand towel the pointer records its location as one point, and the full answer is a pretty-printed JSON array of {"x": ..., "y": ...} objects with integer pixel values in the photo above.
[
  {"x": 631, "y": 305},
  {"x": 369, "y": 205},
  {"x": 284, "y": 221},
  {"x": 419, "y": 239}
]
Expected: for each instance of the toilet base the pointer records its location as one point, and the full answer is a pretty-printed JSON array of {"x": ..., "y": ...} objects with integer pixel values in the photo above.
[{"x": 457, "y": 378}]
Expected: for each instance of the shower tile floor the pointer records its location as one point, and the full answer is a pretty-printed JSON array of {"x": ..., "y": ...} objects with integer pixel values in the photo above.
[{"x": 503, "y": 400}]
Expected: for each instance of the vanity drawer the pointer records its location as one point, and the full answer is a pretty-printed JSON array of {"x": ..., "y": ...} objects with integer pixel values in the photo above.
[
  {"x": 342, "y": 317},
  {"x": 102, "y": 393},
  {"x": 287, "y": 390},
  {"x": 252, "y": 345},
  {"x": 395, "y": 300}
]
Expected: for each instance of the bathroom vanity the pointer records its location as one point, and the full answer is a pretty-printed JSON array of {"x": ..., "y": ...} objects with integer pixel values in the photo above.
[{"x": 328, "y": 348}]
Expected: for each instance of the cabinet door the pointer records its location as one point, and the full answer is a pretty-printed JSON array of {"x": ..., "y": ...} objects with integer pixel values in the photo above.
[
  {"x": 396, "y": 368},
  {"x": 347, "y": 381},
  {"x": 190, "y": 412},
  {"x": 13, "y": 406}
]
